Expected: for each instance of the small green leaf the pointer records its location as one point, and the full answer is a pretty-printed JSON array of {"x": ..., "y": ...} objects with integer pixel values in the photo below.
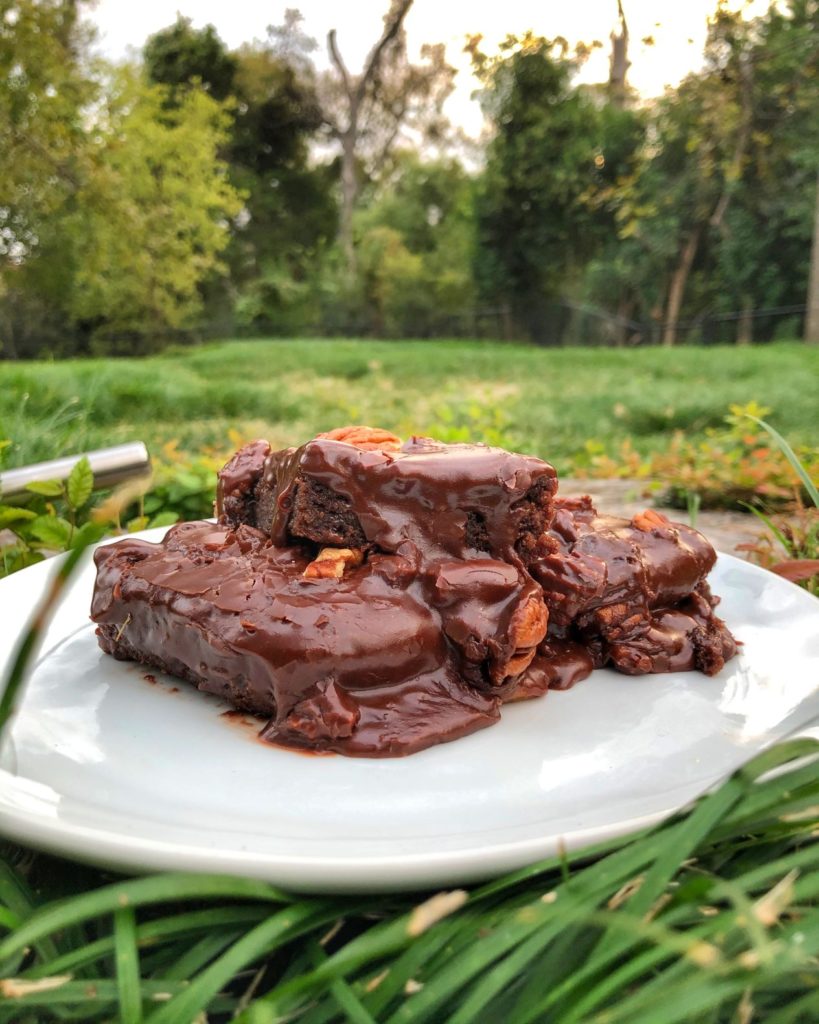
[
  {"x": 53, "y": 531},
  {"x": 88, "y": 533},
  {"x": 137, "y": 524},
  {"x": 11, "y": 514},
  {"x": 80, "y": 483},
  {"x": 46, "y": 488},
  {"x": 164, "y": 519}
]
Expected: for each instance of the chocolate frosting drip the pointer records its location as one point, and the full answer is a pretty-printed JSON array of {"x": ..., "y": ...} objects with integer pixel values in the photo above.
[
  {"x": 237, "y": 480},
  {"x": 416, "y": 501},
  {"x": 384, "y": 661}
]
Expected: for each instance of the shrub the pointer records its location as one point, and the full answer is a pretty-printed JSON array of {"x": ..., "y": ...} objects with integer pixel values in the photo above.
[{"x": 735, "y": 465}]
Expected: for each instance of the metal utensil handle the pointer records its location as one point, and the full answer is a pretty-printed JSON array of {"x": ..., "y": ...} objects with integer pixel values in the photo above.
[{"x": 110, "y": 466}]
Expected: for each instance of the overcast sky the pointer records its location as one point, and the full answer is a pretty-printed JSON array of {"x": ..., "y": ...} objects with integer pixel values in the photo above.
[{"x": 677, "y": 26}]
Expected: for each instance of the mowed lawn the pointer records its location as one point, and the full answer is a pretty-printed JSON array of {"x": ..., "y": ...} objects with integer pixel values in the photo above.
[{"x": 546, "y": 401}]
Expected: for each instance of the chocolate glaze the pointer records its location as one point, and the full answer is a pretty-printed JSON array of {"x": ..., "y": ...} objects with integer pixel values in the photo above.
[
  {"x": 236, "y": 482},
  {"x": 558, "y": 665},
  {"x": 465, "y": 561},
  {"x": 372, "y": 664},
  {"x": 416, "y": 501},
  {"x": 633, "y": 591}
]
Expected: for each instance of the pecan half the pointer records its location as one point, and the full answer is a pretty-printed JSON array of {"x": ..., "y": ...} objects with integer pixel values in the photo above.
[
  {"x": 527, "y": 630},
  {"x": 366, "y": 438},
  {"x": 648, "y": 520},
  {"x": 330, "y": 563}
]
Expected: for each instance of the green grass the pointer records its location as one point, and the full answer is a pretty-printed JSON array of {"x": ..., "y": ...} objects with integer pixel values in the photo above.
[
  {"x": 712, "y": 918},
  {"x": 546, "y": 401}
]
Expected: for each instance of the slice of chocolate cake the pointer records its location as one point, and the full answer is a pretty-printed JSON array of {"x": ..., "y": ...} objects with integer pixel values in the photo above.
[{"x": 359, "y": 487}]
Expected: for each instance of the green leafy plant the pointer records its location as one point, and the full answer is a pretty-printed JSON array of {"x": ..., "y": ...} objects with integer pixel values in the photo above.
[
  {"x": 183, "y": 486},
  {"x": 470, "y": 421},
  {"x": 54, "y": 516},
  {"x": 734, "y": 465},
  {"x": 797, "y": 535}
]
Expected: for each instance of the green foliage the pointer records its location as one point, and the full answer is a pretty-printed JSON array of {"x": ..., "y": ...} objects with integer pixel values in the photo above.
[
  {"x": 728, "y": 168},
  {"x": 415, "y": 241},
  {"x": 56, "y": 516},
  {"x": 44, "y": 89},
  {"x": 797, "y": 536},
  {"x": 52, "y": 517},
  {"x": 199, "y": 192},
  {"x": 183, "y": 486},
  {"x": 180, "y": 54},
  {"x": 289, "y": 215},
  {"x": 731, "y": 466},
  {"x": 155, "y": 219},
  {"x": 536, "y": 229}
]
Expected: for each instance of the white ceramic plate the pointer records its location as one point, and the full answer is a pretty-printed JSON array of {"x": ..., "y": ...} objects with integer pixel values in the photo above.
[{"x": 105, "y": 766}]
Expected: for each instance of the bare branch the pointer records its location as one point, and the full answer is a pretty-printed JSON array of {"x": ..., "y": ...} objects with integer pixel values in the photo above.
[
  {"x": 338, "y": 62},
  {"x": 381, "y": 159},
  {"x": 392, "y": 27},
  {"x": 743, "y": 138}
]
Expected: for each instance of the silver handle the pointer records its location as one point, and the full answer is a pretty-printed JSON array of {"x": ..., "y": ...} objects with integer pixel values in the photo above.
[{"x": 110, "y": 466}]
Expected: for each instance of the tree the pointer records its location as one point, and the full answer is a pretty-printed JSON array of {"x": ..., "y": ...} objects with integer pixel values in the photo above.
[
  {"x": 543, "y": 205},
  {"x": 367, "y": 113},
  {"x": 47, "y": 82},
  {"x": 289, "y": 212},
  {"x": 152, "y": 217},
  {"x": 726, "y": 160},
  {"x": 181, "y": 54},
  {"x": 415, "y": 242}
]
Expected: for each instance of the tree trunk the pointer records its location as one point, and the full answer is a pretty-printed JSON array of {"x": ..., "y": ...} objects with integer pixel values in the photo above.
[
  {"x": 745, "y": 324},
  {"x": 676, "y": 288},
  {"x": 679, "y": 278},
  {"x": 625, "y": 307},
  {"x": 355, "y": 90},
  {"x": 349, "y": 195},
  {"x": 618, "y": 61},
  {"x": 812, "y": 301},
  {"x": 8, "y": 348}
]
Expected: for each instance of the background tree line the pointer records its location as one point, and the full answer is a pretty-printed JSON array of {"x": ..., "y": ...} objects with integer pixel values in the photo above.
[{"x": 252, "y": 192}]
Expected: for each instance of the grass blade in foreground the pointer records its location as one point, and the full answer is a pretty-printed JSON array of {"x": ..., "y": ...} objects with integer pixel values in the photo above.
[
  {"x": 791, "y": 456},
  {"x": 27, "y": 644}
]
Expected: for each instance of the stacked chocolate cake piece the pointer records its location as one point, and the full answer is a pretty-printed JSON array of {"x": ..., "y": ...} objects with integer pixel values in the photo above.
[{"x": 374, "y": 597}]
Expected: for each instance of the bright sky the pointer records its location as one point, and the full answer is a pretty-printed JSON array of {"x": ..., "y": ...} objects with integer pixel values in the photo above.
[{"x": 677, "y": 26}]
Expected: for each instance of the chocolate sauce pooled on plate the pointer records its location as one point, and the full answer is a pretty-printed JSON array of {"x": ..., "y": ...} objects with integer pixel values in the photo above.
[{"x": 374, "y": 598}]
